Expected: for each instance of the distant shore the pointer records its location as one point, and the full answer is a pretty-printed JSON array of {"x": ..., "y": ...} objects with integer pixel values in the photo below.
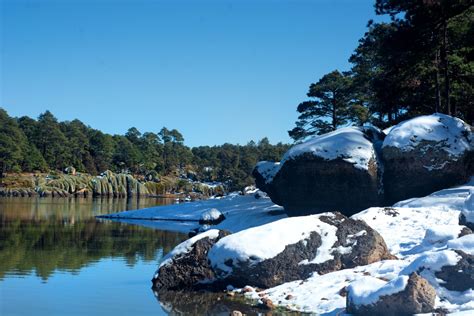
[{"x": 107, "y": 184}]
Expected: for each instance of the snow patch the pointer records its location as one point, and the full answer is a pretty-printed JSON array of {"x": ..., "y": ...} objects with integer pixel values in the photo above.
[
  {"x": 211, "y": 215},
  {"x": 468, "y": 210},
  {"x": 264, "y": 242},
  {"x": 464, "y": 243},
  {"x": 187, "y": 245},
  {"x": 268, "y": 169},
  {"x": 448, "y": 133},
  {"x": 369, "y": 290},
  {"x": 348, "y": 143}
]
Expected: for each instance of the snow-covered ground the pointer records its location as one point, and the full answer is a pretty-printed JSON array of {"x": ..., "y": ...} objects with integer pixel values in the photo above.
[
  {"x": 420, "y": 232},
  {"x": 240, "y": 211}
]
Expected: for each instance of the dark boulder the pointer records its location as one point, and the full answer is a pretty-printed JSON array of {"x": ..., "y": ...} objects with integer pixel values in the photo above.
[
  {"x": 351, "y": 244},
  {"x": 338, "y": 171},
  {"x": 459, "y": 277},
  {"x": 426, "y": 154},
  {"x": 418, "y": 296},
  {"x": 186, "y": 267}
]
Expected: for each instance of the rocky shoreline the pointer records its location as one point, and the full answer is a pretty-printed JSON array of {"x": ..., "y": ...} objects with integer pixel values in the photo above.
[
  {"x": 414, "y": 257},
  {"x": 108, "y": 184}
]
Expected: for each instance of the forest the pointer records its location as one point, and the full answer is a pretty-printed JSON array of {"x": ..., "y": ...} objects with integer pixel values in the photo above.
[
  {"x": 45, "y": 144},
  {"x": 420, "y": 61}
]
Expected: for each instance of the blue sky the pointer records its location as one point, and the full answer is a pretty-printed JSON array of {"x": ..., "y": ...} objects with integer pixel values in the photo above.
[{"x": 218, "y": 71}]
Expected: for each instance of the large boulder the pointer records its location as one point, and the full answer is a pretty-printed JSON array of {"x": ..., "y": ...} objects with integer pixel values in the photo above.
[
  {"x": 405, "y": 295},
  {"x": 338, "y": 171},
  {"x": 294, "y": 248},
  {"x": 186, "y": 266},
  {"x": 426, "y": 154}
]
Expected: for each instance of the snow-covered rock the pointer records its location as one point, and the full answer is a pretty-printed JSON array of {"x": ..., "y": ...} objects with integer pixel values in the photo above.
[
  {"x": 337, "y": 171},
  {"x": 294, "y": 248},
  {"x": 211, "y": 217},
  {"x": 425, "y": 154},
  {"x": 404, "y": 295},
  {"x": 186, "y": 266}
]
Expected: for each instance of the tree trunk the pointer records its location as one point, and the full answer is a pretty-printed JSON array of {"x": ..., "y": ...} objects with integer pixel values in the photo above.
[
  {"x": 2, "y": 171},
  {"x": 438, "y": 90},
  {"x": 444, "y": 58},
  {"x": 334, "y": 116}
]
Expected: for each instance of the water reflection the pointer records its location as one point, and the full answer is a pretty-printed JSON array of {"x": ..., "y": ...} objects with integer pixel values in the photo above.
[{"x": 45, "y": 235}]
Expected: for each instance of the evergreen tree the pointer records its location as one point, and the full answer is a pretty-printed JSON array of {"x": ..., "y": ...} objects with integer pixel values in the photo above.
[{"x": 329, "y": 109}]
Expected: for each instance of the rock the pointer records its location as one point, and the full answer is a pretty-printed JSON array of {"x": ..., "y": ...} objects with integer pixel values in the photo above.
[
  {"x": 406, "y": 295},
  {"x": 211, "y": 217},
  {"x": 187, "y": 265},
  {"x": 322, "y": 243},
  {"x": 236, "y": 313},
  {"x": 70, "y": 170},
  {"x": 459, "y": 277},
  {"x": 426, "y": 154},
  {"x": 338, "y": 171},
  {"x": 266, "y": 303}
]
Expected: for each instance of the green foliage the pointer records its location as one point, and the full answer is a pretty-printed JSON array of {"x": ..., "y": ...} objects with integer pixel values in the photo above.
[
  {"x": 420, "y": 62},
  {"x": 329, "y": 109},
  {"x": 46, "y": 144}
]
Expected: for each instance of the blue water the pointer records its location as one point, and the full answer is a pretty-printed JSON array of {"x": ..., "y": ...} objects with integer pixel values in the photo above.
[{"x": 57, "y": 259}]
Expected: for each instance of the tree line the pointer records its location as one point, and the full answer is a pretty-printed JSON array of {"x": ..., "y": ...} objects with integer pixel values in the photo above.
[
  {"x": 420, "y": 62},
  {"x": 45, "y": 144}
]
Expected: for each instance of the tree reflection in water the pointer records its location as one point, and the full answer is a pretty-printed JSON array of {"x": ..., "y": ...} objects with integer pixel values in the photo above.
[{"x": 43, "y": 235}]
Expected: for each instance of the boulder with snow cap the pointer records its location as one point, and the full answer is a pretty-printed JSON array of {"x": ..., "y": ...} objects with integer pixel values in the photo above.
[
  {"x": 404, "y": 295},
  {"x": 337, "y": 171},
  {"x": 211, "y": 217},
  {"x": 186, "y": 266},
  {"x": 294, "y": 248},
  {"x": 426, "y": 154}
]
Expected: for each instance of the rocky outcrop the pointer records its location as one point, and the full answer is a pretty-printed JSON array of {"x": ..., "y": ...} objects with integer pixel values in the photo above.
[
  {"x": 459, "y": 277},
  {"x": 338, "y": 171},
  {"x": 336, "y": 243},
  {"x": 426, "y": 154},
  {"x": 352, "y": 168},
  {"x": 264, "y": 257},
  {"x": 412, "y": 295},
  {"x": 187, "y": 266}
]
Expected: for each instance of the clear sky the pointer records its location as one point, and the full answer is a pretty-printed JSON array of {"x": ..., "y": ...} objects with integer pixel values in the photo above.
[{"x": 218, "y": 71}]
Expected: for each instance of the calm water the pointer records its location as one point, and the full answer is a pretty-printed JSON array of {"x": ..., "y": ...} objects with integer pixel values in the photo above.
[{"x": 57, "y": 259}]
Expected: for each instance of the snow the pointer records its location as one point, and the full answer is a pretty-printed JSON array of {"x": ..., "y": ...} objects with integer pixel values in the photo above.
[
  {"x": 268, "y": 169},
  {"x": 451, "y": 134},
  {"x": 464, "y": 243},
  {"x": 348, "y": 143},
  {"x": 240, "y": 211},
  {"x": 321, "y": 294},
  {"x": 211, "y": 215},
  {"x": 187, "y": 245},
  {"x": 421, "y": 232},
  {"x": 433, "y": 260},
  {"x": 263, "y": 242},
  {"x": 468, "y": 210},
  {"x": 369, "y": 290}
]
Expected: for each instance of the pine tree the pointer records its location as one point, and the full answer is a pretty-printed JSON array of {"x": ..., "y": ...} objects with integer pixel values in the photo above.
[{"x": 329, "y": 109}]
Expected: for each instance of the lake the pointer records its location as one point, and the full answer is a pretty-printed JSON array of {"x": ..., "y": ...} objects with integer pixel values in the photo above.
[{"x": 56, "y": 258}]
